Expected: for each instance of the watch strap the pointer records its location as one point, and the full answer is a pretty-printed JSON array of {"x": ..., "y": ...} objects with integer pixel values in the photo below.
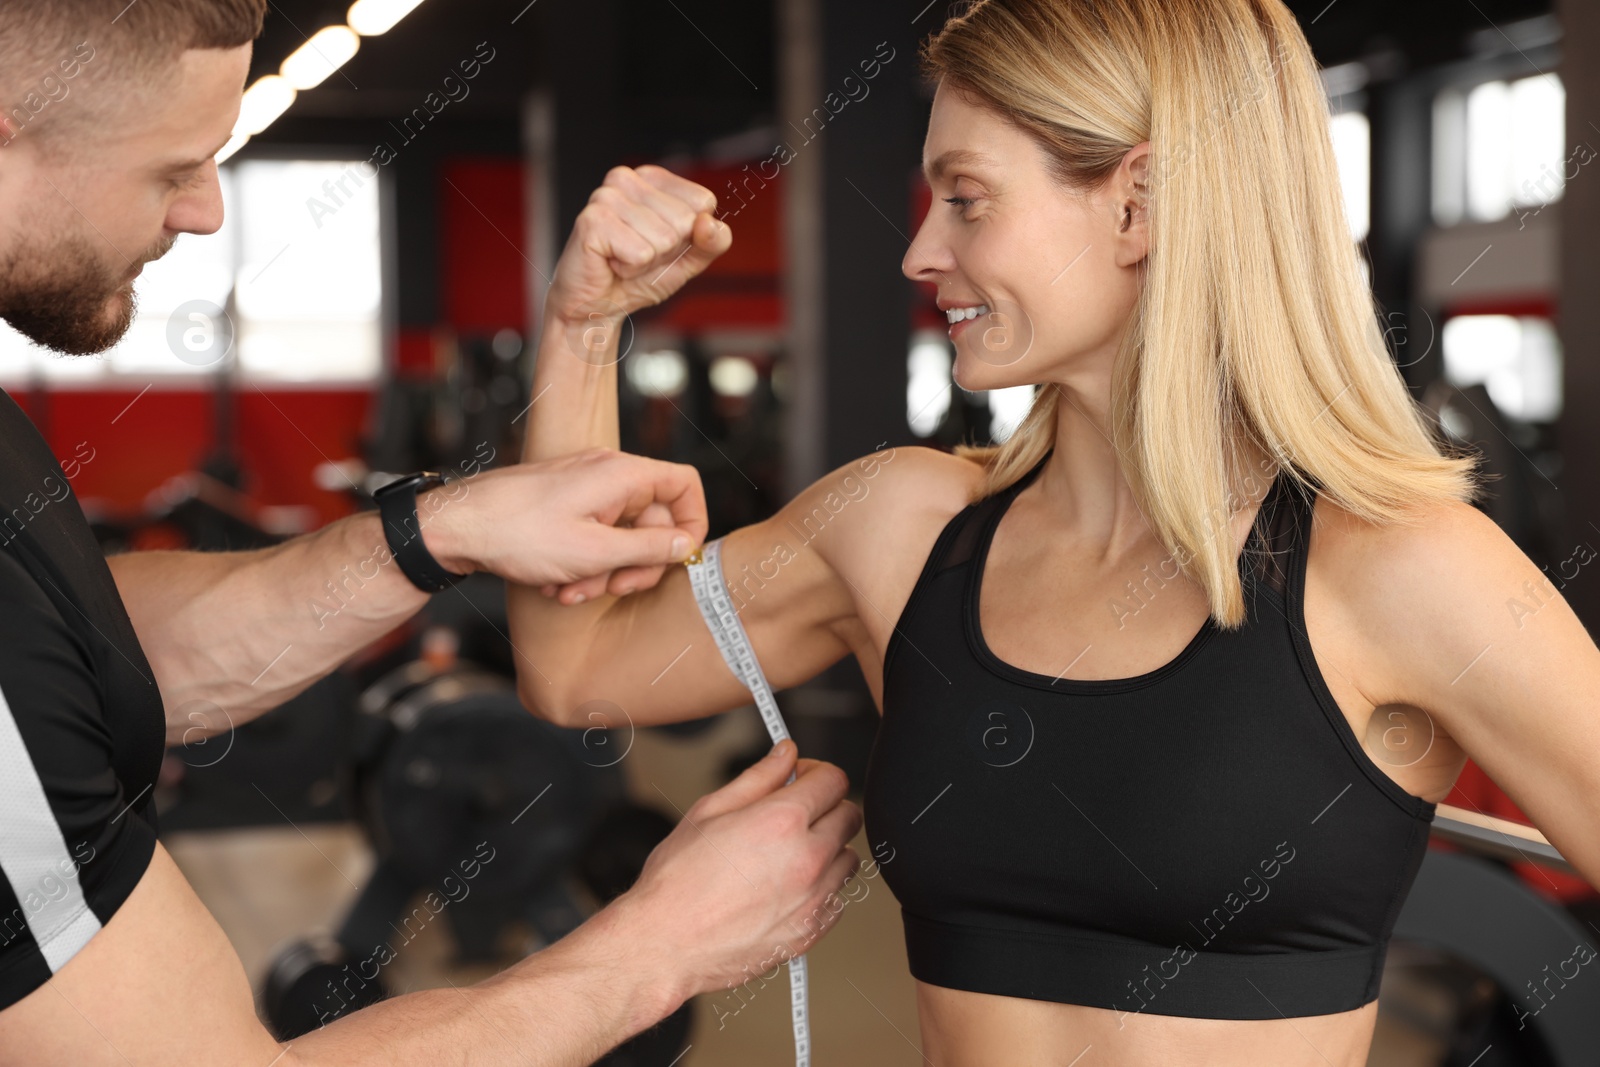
[{"x": 397, "y": 507}]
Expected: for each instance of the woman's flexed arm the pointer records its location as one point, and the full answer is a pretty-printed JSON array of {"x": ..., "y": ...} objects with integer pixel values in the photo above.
[
  {"x": 643, "y": 234},
  {"x": 634, "y": 638}
]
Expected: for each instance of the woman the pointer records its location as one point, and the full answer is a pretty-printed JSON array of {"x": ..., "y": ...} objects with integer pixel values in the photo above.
[{"x": 1173, "y": 679}]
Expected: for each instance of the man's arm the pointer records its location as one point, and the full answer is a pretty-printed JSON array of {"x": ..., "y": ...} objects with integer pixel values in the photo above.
[
  {"x": 160, "y": 984},
  {"x": 231, "y": 635}
]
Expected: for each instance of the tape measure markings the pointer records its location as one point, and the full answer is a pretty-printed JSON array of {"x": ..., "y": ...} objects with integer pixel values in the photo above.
[{"x": 711, "y": 594}]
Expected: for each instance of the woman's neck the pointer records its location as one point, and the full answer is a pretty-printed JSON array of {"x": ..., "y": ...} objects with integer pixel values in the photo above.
[{"x": 1084, "y": 483}]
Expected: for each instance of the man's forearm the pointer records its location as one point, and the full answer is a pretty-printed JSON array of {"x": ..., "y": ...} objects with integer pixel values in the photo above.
[
  {"x": 230, "y": 635},
  {"x": 563, "y": 1007}
]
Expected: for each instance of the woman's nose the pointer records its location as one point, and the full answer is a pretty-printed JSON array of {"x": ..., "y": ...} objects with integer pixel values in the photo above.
[{"x": 926, "y": 260}]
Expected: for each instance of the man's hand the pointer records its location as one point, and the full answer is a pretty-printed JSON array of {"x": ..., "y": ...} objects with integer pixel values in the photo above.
[
  {"x": 613, "y": 519},
  {"x": 743, "y": 883}
]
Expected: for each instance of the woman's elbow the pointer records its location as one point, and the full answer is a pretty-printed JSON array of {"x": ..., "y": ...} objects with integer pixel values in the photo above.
[{"x": 543, "y": 702}]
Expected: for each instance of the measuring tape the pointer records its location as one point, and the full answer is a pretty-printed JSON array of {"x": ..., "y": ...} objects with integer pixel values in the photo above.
[{"x": 711, "y": 593}]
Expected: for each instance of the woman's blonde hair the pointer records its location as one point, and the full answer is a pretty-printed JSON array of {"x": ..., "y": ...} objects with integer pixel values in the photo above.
[{"x": 1255, "y": 331}]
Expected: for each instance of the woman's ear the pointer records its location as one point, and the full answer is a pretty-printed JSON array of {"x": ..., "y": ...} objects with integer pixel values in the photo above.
[
  {"x": 1130, "y": 185},
  {"x": 1138, "y": 179}
]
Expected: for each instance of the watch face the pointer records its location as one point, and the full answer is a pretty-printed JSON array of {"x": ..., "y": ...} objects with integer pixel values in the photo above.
[{"x": 418, "y": 479}]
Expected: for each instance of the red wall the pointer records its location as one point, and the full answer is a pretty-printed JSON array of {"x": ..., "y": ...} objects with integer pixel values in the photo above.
[
  {"x": 281, "y": 436},
  {"x": 743, "y": 287},
  {"x": 485, "y": 267}
]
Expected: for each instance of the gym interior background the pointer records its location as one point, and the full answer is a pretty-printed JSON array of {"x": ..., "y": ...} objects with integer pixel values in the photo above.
[{"x": 395, "y": 201}]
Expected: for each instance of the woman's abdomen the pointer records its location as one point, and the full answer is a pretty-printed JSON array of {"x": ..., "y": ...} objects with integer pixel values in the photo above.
[{"x": 962, "y": 1029}]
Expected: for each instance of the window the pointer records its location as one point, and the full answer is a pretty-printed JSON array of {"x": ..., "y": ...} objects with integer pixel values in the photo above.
[
  {"x": 1499, "y": 147},
  {"x": 1517, "y": 359},
  {"x": 308, "y": 285},
  {"x": 296, "y": 265},
  {"x": 930, "y": 390},
  {"x": 1351, "y": 134},
  {"x": 1007, "y": 408},
  {"x": 928, "y": 384},
  {"x": 1352, "y": 146}
]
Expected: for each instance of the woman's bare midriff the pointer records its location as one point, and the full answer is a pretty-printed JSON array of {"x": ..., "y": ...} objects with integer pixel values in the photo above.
[{"x": 962, "y": 1029}]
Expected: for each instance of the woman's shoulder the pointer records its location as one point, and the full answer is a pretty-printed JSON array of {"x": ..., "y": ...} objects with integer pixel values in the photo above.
[
  {"x": 927, "y": 483},
  {"x": 1448, "y": 534},
  {"x": 886, "y": 503},
  {"x": 901, "y": 480},
  {"x": 1410, "y": 589}
]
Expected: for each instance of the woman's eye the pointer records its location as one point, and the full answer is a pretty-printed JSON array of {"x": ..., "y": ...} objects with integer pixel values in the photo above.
[{"x": 959, "y": 201}]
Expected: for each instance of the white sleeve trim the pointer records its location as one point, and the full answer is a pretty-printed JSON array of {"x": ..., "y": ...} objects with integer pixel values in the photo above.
[{"x": 34, "y": 855}]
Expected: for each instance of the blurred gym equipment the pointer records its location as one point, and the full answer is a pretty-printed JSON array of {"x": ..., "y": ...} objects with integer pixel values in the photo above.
[
  {"x": 1483, "y": 954},
  {"x": 490, "y": 816}
]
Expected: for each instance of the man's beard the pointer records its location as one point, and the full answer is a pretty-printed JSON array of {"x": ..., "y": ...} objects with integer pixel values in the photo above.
[{"x": 64, "y": 307}]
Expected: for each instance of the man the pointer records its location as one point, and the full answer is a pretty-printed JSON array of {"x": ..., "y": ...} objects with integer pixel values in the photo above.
[{"x": 113, "y": 112}]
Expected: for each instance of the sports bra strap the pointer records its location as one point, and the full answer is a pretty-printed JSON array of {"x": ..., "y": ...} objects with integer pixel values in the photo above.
[
  {"x": 961, "y": 538},
  {"x": 1278, "y": 534}
]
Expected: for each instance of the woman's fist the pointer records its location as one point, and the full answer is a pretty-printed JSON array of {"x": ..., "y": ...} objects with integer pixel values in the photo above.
[{"x": 644, "y": 233}]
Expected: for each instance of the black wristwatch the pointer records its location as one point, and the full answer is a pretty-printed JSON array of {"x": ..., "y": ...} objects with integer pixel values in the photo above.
[{"x": 397, "y": 506}]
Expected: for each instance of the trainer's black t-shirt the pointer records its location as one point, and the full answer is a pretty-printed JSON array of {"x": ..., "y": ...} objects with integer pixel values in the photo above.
[{"x": 81, "y": 721}]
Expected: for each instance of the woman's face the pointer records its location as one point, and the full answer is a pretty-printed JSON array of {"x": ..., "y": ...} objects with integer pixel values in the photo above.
[{"x": 1052, "y": 272}]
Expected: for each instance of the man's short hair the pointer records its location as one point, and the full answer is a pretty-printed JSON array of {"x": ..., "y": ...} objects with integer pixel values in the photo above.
[{"x": 51, "y": 49}]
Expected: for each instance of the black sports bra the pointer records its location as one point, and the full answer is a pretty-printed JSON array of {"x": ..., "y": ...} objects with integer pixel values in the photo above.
[{"x": 1207, "y": 839}]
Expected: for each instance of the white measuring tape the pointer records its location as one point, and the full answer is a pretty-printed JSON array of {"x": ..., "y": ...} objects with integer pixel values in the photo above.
[{"x": 711, "y": 593}]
